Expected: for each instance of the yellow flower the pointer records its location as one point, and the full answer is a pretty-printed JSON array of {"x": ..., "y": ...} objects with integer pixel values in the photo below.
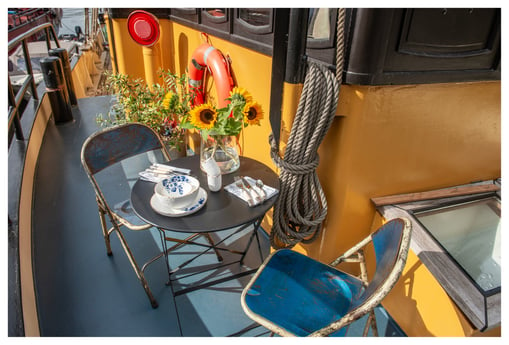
[
  {"x": 166, "y": 100},
  {"x": 240, "y": 91},
  {"x": 203, "y": 116},
  {"x": 253, "y": 113}
]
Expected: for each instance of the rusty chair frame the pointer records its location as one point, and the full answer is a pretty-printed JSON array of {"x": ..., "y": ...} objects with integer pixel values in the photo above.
[
  {"x": 294, "y": 295},
  {"x": 106, "y": 148}
]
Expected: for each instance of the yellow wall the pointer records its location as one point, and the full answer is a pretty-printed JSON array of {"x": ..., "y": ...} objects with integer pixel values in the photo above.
[{"x": 401, "y": 139}]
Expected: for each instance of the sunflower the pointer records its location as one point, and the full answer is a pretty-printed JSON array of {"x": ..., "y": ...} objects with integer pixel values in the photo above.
[
  {"x": 253, "y": 113},
  {"x": 167, "y": 99},
  {"x": 239, "y": 93},
  {"x": 203, "y": 116}
]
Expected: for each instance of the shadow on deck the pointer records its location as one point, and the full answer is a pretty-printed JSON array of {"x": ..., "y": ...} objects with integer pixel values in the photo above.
[{"x": 80, "y": 291}]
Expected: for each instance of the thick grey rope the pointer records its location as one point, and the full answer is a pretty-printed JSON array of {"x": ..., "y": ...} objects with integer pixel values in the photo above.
[
  {"x": 302, "y": 207},
  {"x": 340, "y": 41}
]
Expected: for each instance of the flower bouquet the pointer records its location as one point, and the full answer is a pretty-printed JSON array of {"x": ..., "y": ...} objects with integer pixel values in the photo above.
[
  {"x": 220, "y": 128},
  {"x": 160, "y": 107}
]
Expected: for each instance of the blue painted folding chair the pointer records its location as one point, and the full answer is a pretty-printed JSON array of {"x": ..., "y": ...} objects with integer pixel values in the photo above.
[{"x": 294, "y": 295}]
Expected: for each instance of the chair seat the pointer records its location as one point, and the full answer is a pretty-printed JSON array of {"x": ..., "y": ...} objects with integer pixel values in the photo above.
[
  {"x": 125, "y": 211},
  {"x": 300, "y": 294}
]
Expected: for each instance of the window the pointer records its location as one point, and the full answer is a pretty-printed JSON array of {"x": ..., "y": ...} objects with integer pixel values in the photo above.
[
  {"x": 216, "y": 19},
  {"x": 470, "y": 233},
  {"x": 255, "y": 17},
  {"x": 321, "y": 25},
  {"x": 219, "y": 13},
  {"x": 249, "y": 27},
  {"x": 321, "y": 41},
  {"x": 189, "y": 15},
  {"x": 456, "y": 235},
  {"x": 255, "y": 23}
]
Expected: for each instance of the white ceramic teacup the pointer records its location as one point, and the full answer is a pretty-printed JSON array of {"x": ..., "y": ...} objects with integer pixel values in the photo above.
[{"x": 177, "y": 191}]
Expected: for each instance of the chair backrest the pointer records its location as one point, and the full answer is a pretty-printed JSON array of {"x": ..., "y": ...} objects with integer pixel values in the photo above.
[
  {"x": 114, "y": 144},
  {"x": 391, "y": 243}
]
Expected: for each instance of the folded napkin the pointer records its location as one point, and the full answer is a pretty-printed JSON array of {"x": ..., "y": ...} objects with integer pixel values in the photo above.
[
  {"x": 169, "y": 168},
  {"x": 157, "y": 172},
  {"x": 151, "y": 177},
  {"x": 242, "y": 194}
]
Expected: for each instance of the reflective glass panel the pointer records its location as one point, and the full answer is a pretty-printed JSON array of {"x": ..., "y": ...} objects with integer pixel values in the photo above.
[
  {"x": 319, "y": 23},
  {"x": 216, "y": 12},
  {"x": 470, "y": 232},
  {"x": 255, "y": 16}
]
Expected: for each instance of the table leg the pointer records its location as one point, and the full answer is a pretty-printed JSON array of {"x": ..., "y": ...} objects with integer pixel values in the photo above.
[
  {"x": 256, "y": 225},
  {"x": 165, "y": 251}
]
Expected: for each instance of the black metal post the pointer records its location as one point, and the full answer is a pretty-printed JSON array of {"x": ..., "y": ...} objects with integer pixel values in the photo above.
[
  {"x": 280, "y": 44},
  {"x": 56, "y": 88},
  {"x": 66, "y": 65},
  {"x": 297, "y": 37},
  {"x": 28, "y": 61}
]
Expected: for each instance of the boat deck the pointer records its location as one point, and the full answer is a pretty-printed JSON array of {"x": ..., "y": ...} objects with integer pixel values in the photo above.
[{"x": 81, "y": 291}]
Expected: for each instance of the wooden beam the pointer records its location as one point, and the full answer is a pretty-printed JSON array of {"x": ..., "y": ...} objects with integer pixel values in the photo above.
[{"x": 435, "y": 194}]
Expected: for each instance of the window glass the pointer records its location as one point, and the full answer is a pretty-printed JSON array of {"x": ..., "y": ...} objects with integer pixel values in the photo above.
[
  {"x": 216, "y": 12},
  {"x": 470, "y": 233},
  {"x": 255, "y": 16},
  {"x": 319, "y": 23}
]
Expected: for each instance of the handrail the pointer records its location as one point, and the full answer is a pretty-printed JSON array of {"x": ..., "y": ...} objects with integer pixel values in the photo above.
[
  {"x": 13, "y": 43},
  {"x": 28, "y": 15},
  {"x": 14, "y": 103}
]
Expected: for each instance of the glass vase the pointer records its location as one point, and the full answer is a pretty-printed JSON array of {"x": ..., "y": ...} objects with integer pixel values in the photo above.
[
  {"x": 176, "y": 146},
  {"x": 223, "y": 149}
]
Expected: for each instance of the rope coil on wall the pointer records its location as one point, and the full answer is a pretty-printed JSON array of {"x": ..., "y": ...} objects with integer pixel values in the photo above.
[{"x": 302, "y": 207}]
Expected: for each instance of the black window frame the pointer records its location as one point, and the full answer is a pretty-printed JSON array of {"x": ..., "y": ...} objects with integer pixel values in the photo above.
[{"x": 231, "y": 29}]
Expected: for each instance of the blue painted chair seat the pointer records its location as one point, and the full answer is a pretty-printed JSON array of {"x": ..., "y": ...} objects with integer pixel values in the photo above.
[{"x": 302, "y": 295}]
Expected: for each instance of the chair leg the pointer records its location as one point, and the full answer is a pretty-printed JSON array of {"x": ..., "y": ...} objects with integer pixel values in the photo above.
[
  {"x": 136, "y": 268},
  {"x": 105, "y": 230},
  {"x": 371, "y": 322},
  {"x": 364, "y": 277},
  {"x": 211, "y": 242}
]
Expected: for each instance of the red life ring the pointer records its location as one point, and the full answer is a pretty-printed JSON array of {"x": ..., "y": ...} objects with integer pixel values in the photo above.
[{"x": 207, "y": 56}]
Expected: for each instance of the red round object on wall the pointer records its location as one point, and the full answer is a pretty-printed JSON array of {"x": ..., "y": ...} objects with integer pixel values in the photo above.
[{"x": 143, "y": 27}]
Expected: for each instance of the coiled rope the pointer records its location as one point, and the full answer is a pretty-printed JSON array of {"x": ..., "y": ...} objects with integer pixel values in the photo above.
[{"x": 302, "y": 207}]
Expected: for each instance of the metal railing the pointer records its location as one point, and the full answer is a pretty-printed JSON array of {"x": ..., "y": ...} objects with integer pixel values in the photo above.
[{"x": 15, "y": 99}]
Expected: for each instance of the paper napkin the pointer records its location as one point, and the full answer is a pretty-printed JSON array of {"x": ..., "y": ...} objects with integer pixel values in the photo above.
[{"x": 240, "y": 193}]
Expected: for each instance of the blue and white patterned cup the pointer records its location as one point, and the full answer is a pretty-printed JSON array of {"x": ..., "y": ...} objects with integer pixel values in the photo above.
[{"x": 177, "y": 191}]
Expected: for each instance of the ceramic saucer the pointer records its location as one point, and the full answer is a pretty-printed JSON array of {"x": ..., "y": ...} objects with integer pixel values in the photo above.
[{"x": 197, "y": 204}]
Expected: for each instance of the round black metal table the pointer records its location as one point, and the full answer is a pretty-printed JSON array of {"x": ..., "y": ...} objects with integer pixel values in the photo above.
[{"x": 222, "y": 211}]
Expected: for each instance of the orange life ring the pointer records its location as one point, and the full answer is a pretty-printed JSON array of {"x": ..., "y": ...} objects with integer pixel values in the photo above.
[{"x": 207, "y": 56}]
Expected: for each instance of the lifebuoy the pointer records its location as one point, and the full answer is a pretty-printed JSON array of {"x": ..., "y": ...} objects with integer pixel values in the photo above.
[{"x": 207, "y": 56}]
